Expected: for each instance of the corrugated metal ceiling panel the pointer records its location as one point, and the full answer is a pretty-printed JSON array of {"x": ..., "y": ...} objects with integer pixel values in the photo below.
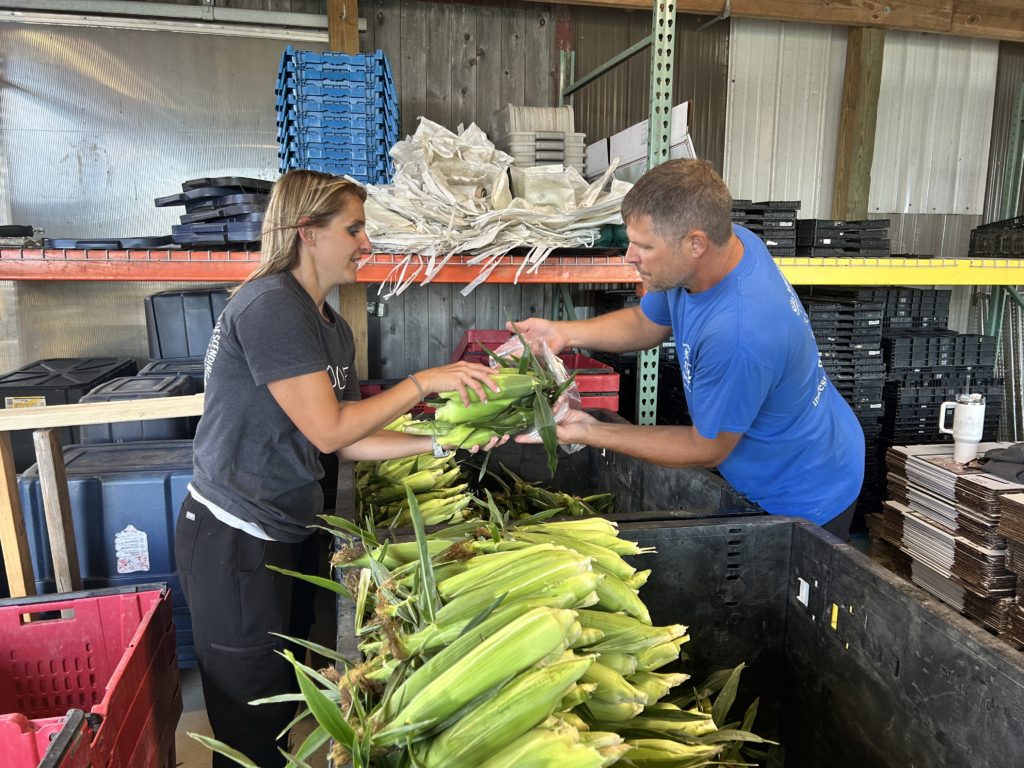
[
  {"x": 934, "y": 124},
  {"x": 783, "y": 112}
]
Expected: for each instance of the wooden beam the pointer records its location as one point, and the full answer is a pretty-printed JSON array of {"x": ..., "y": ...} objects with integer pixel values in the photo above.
[
  {"x": 77, "y": 414},
  {"x": 995, "y": 19},
  {"x": 13, "y": 540},
  {"x": 343, "y": 25},
  {"x": 343, "y": 35},
  {"x": 855, "y": 149},
  {"x": 60, "y": 527}
]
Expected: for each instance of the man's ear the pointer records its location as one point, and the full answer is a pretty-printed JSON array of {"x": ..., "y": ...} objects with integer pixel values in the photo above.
[{"x": 695, "y": 243}]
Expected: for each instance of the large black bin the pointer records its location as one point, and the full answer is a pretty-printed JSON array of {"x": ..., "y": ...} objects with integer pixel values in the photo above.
[
  {"x": 854, "y": 666},
  {"x": 643, "y": 491}
]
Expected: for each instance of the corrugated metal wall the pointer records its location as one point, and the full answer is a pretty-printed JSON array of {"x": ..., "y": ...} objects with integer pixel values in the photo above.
[
  {"x": 1010, "y": 75},
  {"x": 621, "y": 97},
  {"x": 934, "y": 124},
  {"x": 785, "y": 87}
]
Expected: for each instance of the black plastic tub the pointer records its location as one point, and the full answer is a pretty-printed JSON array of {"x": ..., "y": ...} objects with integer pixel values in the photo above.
[{"x": 853, "y": 665}]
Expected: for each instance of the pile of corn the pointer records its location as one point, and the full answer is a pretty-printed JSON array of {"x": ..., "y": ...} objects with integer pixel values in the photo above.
[
  {"x": 437, "y": 484},
  {"x": 510, "y": 648}
]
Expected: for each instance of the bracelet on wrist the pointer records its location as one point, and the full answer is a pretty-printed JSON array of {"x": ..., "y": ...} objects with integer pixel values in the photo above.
[
  {"x": 419, "y": 387},
  {"x": 438, "y": 450}
]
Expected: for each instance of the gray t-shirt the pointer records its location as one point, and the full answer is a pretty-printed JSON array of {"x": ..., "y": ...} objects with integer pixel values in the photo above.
[{"x": 250, "y": 459}]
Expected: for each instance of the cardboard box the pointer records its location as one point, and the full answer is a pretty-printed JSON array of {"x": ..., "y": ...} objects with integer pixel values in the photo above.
[{"x": 631, "y": 144}]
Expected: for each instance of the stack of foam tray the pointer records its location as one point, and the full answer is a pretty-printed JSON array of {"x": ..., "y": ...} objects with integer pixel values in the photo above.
[
  {"x": 224, "y": 212},
  {"x": 774, "y": 221},
  {"x": 946, "y": 524},
  {"x": 532, "y": 148},
  {"x": 998, "y": 239},
  {"x": 831, "y": 237},
  {"x": 337, "y": 113}
]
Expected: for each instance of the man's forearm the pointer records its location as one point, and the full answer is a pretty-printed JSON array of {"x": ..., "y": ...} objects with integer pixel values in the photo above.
[
  {"x": 626, "y": 330},
  {"x": 667, "y": 446}
]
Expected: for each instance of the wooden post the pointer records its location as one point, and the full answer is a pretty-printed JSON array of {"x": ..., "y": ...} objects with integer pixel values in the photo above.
[
  {"x": 53, "y": 483},
  {"x": 856, "y": 146},
  {"x": 343, "y": 35},
  {"x": 13, "y": 541}
]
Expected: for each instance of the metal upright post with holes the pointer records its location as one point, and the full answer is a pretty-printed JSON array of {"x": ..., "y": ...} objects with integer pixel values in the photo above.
[{"x": 663, "y": 47}]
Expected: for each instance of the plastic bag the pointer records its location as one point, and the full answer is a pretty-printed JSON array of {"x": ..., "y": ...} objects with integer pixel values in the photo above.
[{"x": 570, "y": 400}]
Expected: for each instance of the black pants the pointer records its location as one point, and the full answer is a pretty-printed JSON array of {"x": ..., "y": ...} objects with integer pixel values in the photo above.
[
  {"x": 235, "y": 603},
  {"x": 839, "y": 526}
]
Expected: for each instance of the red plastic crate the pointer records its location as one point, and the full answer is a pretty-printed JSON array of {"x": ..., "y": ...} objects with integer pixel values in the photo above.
[
  {"x": 110, "y": 653},
  {"x": 598, "y": 383}
]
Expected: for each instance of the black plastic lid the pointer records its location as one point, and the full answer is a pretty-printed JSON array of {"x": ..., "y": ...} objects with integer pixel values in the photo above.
[
  {"x": 101, "y": 459},
  {"x": 64, "y": 372}
]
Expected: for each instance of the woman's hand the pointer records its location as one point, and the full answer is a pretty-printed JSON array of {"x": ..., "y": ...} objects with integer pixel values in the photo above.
[
  {"x": 490, "y": 445},
  {"x": 461, "y": 376}
]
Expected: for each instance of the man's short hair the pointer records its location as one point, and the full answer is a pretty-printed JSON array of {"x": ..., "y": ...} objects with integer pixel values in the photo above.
[{"x": 680, "y": 196}]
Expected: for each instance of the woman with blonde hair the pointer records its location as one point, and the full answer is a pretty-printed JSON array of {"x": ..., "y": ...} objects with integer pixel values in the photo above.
[{"x": 281, "y": 387}]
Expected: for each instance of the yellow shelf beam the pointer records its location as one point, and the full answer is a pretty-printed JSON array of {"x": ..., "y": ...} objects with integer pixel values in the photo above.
[{"x": 898, "y": 271}]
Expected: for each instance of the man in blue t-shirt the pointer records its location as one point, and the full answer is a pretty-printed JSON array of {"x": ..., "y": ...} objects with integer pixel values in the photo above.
[{"x": 764, "y": 411}]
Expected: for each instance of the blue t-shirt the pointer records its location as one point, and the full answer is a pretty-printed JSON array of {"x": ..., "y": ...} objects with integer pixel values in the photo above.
[{"x": 750, "y": 364}]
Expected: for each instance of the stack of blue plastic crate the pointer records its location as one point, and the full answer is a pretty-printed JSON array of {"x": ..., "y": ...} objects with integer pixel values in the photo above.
[{"x": 337, "y": 113}]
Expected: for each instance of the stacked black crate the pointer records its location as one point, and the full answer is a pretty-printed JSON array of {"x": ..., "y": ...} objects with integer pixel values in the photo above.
[
  {"x": 999, "y": 239},
  {"x": 829, "y": 238},
  {"x": 774, "y": 221},
  {"x": 847, "y": 326},
  {"x": 929, "y": 366},
  {"x": 223, "y": 212}
]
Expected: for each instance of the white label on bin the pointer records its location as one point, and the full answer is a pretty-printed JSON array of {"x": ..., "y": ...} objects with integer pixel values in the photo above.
[
  {"x": 131, "y": 546},
  {"x": 25, "y": 401}
]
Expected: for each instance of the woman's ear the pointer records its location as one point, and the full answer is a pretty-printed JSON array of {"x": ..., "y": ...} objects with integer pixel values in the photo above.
[{"x": 307, "y": 233}]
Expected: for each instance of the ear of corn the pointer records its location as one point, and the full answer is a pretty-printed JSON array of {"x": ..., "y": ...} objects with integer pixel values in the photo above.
[
  {"x": 463, "y": 674},
  {"x": 656, "y": 686},
  {"x": 519, "y": 706},
  {"x": 612, "y": 688},
  {"x": 653, "y": 753}
]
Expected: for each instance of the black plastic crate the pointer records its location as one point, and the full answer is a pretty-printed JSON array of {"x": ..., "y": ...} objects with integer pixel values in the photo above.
[
  {"x": 193, "y": 368},
  {"x": 179, "y": 323},
  {"x": 55, "y": 381},
  {"x": 139, "y": 388}
]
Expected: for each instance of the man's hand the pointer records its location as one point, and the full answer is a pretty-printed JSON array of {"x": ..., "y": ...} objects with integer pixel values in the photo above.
[
  {"x": 536, "y": 330},
  {"x": 572, "y": 429}
]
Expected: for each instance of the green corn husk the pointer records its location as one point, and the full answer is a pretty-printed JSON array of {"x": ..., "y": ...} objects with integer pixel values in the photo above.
[
  {"x": 614, "y": 596},
  {"x": 655, "y": 753},
  {"x": 545, "y": 748},
  {"x": 618, "y": 713},
  {"x": 656, "y": 686},
  {"x": 623, "y": 663},
  {"x": 612, "y": 688},
  {"x": 512, "y": 386},
  {"x": 624, "y": 634},
  {"x": 657, "y": 656},
  {"x": 670, "y": 719}
]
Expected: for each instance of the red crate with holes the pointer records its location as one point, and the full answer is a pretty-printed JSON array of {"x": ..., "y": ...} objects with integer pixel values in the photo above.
[
  {"x": 598, "y": 383},
  {"x": 109, "y": 654}
]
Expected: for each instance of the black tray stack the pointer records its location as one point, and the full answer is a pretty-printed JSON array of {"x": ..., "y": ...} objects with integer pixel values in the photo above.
[
  {"x": 998, "y": 239},
  {"x": 828, "y": 238},
  {"x": 847, "y": 325},
  {"x": 225, "y": 212},
  {"x": 774, "y": 221}
]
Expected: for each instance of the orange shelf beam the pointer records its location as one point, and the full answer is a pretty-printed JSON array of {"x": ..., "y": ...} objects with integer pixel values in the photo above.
[{"x": 233, "y": 266}]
